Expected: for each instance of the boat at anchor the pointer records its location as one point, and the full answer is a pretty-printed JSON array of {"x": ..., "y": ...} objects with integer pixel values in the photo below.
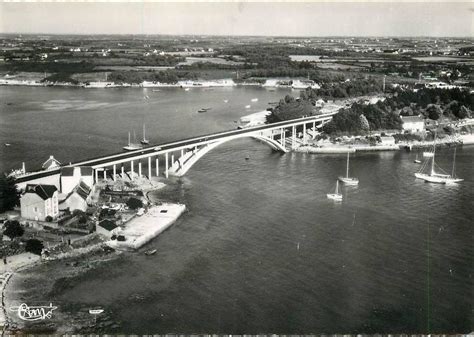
[
  {"x": 435, "y": 177},
  {"x": 348, "y": 180},
  {"x": 336, "y": 195},
  {"x": 132, "y": 146}
]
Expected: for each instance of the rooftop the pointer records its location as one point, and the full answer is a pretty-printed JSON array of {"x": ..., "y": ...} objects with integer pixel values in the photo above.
[
  {"x": 411, "y": 119},
  {"x": 44, "y": 191},
  {"x": 108, "y": 225}
]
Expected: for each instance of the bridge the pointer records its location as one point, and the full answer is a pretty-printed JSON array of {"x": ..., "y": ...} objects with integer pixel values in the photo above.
[{"x": 176, "y": 158}]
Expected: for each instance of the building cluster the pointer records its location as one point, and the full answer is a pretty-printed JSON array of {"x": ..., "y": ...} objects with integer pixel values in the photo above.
[{"x": 43, "y": 202}]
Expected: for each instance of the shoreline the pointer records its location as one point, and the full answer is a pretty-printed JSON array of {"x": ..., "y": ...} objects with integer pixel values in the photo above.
[
  {"x": 461, "y": 140},
  {"x": 69, "y": 267},
  {"x": 189, "y": 84}
]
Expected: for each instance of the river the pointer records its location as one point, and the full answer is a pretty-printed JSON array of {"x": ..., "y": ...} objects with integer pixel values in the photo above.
[
  {"x": 76, "y": 123},
  {"x": 261, "y": 249}
]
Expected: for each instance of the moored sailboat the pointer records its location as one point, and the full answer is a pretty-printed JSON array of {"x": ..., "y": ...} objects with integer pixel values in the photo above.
[
  {"x": 132, "y": 146},
  {"x": 434, "y": 177},
  {"x": 336, "y": 195},
  {"x": 348, "y": 180},
  {"x": 144, "y": 141}
]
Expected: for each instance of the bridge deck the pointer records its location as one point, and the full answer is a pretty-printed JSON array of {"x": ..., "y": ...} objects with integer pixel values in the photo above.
[{"x": 170, "y": 146}]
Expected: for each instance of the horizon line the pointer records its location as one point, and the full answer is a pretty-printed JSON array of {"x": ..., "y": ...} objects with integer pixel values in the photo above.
[{"x": 231, "y": 35}]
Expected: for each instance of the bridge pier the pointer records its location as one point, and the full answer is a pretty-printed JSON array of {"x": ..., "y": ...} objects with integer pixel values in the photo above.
[
  {"x": 304, "y": 134},
  {"x": 96, "y": 173},
  {"x": 105, "y": 174},
  {"x": 131, "y": 165},
  {"x": 114, "y": 172},
  {"x": 157, "y": 167},
  {"x": 293, "y": 137},
  {"x": 139, "y": 169},
  {"x": 149, "y": 167},
  {"x": 123, "y": 171},
  {"x": 166, "y": 165}
]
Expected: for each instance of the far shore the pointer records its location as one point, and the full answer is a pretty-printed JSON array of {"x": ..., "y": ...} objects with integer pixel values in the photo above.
[
  {"x": 185, "y": 84},
  {"x": 334, "y": 148}
]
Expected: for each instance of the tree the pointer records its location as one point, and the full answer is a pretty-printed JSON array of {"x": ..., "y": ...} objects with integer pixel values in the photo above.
[
  {"x": 463, "y": 112},
  {"x": 289, "y": 99},
  {"x": 13, "y": 229},
  {"x": 134, "y": 203},
  {"x": 364, "y": 123},
  {"x": 9, "y": 195},
  {"x": 434, "y": 112},
  {"x": 34, "y": 246}
]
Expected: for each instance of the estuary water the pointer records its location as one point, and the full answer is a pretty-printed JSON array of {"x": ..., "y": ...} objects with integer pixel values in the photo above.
[
  {"x": 262, "y": 250},
  {"x": 74, "y": 124}
]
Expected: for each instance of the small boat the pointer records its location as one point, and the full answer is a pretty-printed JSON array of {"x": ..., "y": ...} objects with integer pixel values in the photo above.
[
  {"x": 150, "y": 252},
  {"x": 155, "y": 90},
  {"x": 417, "y": 160},
  {"x": 247, "y": 107},
  {"x": 336, "y": 195},
  {"x": 226, "y": 101},
  {"x": 144, "y": 141},
  {"x": 132, "y": 146},
  {"x": 254, "y": 100},
  {"x": 438, "y": 178},
  {"x": 247, "y": 157},
  {"x": 348, "y": 180},
  {"x": 186, "y": 89},
  {"x": 7, "y": 144},
  {"x": 96, "y": 311},
  {"x": 201, "y": 111}
]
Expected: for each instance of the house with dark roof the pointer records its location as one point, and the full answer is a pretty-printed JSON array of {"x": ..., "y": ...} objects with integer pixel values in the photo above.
[
  {"x": 51, "y": 163},
  {"x": 107, "y": 228},
  {"x": 78, "y": 198},
  {"x": 39, "y": 201},
  {"x": 71, "y": 176}
]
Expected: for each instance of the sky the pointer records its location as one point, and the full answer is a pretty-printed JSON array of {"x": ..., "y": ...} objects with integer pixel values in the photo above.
[{"x": 326, "y": 18}]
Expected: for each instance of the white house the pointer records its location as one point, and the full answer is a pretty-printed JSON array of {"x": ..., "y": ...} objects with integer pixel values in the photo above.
[
  {"x": 51, "y": 163},
  {"x": 78, "y": 198},
  {"x": 39, "y": 202},
  {"x": 387, "y": 140},
  {"x": 72, "y": 176},
  {"x": 413, "y": 123},
  {"x": 107, "y": 228}
]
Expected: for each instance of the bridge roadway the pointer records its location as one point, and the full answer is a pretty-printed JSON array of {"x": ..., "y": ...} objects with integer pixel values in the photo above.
[{"x": 171, "y": 146}]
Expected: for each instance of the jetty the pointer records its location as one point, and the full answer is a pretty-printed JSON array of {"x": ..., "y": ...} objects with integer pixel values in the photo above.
[{"x": 142, "y": 229}]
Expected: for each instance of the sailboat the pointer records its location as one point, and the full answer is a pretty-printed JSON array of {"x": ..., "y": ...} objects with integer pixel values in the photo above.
[
  {"x": 144, "y": 141},
  {"x": 349, "y": 180},
  {"x": 417, "y": 160},
  {"x": 132, "y": 146},
  {"x": 336, "y": 195},
  {"x": 433, "y": 176}
]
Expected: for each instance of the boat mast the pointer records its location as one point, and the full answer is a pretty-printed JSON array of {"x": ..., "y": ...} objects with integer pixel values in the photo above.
[
  {"x": 434, "y": 150},
  {"x": 347, "y": 170},
  {"x": 454, "y": 163}
]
